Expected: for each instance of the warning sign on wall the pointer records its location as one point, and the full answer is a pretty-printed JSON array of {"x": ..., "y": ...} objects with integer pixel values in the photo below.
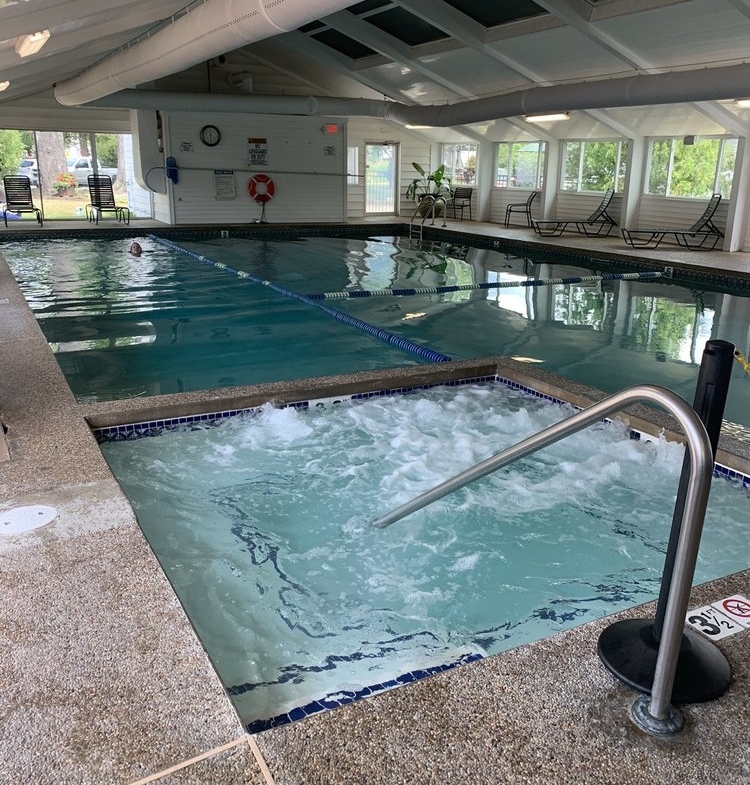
[{"x": 257, "y": 152}]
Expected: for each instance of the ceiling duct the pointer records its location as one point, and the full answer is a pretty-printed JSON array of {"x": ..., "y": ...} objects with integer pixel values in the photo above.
[
  {"x": 207, "y": 31},
  {"x": 641, "y": 90}
]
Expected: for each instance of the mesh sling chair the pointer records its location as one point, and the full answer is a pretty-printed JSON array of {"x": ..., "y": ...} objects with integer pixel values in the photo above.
[
  {"x": 599, "y": 223},
  {"x": 521, "y": 207},
  {"x": 18, "y": 198},
  {"x": 103, "y": 199},
  {"x": 460, "y": 199},
  {"x": 704, "y": 230}
]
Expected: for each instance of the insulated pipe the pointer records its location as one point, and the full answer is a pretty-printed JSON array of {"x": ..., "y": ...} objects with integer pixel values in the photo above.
[
  {"x": 704, "y": 84},
  {"x": 245, "y": 104},
  {"x": 206, "y": 31},
  {"x": 639, "y": 90}
]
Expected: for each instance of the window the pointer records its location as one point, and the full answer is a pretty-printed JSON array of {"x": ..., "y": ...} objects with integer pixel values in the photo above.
[
  {"x": 691, "y": 167},
  {"x": 520, "y": 165},
  {"x": 460, "y": 163},
  {"x": 594, "y": 166}
]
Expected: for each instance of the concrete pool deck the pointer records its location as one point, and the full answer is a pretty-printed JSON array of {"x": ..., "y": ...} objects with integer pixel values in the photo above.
[{"x": 104, "y": 680}]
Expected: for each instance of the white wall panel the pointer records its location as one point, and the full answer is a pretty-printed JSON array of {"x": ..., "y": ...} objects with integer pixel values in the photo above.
[
  {"x": 307, "y": 166},
  {"x": 673, "y": 213},
  {"x": 139, "y": 200},
  {"x": 502, "y": 197}
]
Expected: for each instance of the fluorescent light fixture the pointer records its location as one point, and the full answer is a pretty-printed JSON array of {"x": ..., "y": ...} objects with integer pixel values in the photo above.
[
  {"x": 4, "y": 86},
  {"x": 550, "y": 117},
  {"x": 30, "y": 44},
  {"x": 416, "y": 127},
  {"x": 743, "y": 103}
]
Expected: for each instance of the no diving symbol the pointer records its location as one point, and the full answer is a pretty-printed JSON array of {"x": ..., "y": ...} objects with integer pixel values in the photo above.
[{"x": 737, "y": 607}]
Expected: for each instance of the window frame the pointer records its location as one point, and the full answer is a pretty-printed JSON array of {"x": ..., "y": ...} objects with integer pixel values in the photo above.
[
  {"x": 541, "y": 157},
  {"x": 720, "y": 184},
  {"x": 619, "y": 164},
  {"x": 450, "y": 165}
]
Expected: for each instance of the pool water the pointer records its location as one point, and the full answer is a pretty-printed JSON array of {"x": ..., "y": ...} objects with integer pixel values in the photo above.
[
  {"x": 167, "y": 322},
  {"x": 264, "y": 526}
]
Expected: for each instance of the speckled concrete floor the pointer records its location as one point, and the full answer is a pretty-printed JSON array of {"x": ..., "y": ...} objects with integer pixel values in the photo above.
[{"x": 103, "y": 680}]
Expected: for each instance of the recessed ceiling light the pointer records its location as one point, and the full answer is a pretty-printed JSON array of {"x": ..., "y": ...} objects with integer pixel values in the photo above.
[
  {"x": 743, "y": 103},
  {"x": 4, "y": 86}
]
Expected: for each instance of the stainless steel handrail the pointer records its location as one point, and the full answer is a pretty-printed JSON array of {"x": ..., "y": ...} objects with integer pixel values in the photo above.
[
  {"x": 431, "y": 212},
  {"x": 658, "y": 717}
]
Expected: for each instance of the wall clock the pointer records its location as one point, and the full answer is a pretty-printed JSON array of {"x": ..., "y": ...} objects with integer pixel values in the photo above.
[{"x": 210, "y": 135}]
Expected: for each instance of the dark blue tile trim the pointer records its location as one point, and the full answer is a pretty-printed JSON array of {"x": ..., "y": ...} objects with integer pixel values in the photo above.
[
  {"x": 119, "y": 433},
  {"x": 344, "y": 697},
  {"x": 731, "y": 474}
]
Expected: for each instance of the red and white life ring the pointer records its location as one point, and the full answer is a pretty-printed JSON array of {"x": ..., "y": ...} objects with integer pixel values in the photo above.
[{"x": 261, "y": 188}]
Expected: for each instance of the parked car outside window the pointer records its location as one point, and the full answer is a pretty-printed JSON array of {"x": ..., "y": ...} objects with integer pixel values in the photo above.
[{"x": 29, "y": 168}]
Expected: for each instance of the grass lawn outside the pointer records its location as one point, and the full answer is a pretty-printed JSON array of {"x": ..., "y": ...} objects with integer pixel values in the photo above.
[{"x": 63, "y": 208}]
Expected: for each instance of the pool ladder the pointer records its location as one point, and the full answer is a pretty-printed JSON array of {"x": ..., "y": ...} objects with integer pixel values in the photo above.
[
  {"x": 415, "y": 232},
  {"x": 653, "y": 714}
]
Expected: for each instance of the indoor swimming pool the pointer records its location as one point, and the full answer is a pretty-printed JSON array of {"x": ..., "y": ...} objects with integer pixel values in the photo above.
[
  {"x": 263, "y": 524},
  {"x": 235, "y": 311}
]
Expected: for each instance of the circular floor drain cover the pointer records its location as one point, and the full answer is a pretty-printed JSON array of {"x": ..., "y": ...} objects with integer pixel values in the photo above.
[{"x": 24, "y": 519}]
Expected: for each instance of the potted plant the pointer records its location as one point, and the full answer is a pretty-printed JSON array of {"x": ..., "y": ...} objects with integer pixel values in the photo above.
[
  {"x": 434, "y": 184},
  {"x": 64, "y": 184}
]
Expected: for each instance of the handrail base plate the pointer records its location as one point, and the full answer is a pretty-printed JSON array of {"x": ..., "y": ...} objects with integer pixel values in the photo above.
[{"x": 628, "y": 650}]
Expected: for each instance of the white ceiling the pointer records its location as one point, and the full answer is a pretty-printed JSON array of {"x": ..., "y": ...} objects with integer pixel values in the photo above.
[{"x": 416, "y": 52}]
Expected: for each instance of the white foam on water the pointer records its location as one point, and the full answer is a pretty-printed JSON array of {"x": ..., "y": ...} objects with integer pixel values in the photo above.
[{"x": 263, "y": 525}]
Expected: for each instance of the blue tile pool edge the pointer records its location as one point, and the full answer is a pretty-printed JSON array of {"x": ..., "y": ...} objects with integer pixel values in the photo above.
[
  {"x": 340, "y": 698},
  {"x": 343, "y": 697}
]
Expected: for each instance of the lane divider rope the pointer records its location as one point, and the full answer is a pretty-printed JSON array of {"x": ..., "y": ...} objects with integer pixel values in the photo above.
[
  {"x": 354, "y": 294},
  {"x": 377, "y": 332}
]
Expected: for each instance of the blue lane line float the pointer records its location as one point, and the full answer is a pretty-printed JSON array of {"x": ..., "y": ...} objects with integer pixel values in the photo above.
[
  {"x": 377, "y": 332},
  {"x": 357, "y": 293}
]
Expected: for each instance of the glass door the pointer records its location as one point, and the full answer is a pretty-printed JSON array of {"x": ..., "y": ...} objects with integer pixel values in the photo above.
[{"x": 381, "y": 180}]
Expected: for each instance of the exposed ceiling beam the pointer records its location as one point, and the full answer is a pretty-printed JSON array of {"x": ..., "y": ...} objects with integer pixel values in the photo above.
[
  {"x": 719, "y": 114},
  {"x": 331, "y": 58},
  {"x": 23, "y": 18},
  {"x": 324, "y": 78},
  {"x": 603, "y": 116},
  {"x": 576, "y": 13},
  {"x": 468, "y": 32},
  {"x": 391, "y": 47},
  {"x": 327, "y": 56},
  {"x": 743, "y": 6},
  {"x": 97, "y": 39},
  {"x": 65, "y": 47}
]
